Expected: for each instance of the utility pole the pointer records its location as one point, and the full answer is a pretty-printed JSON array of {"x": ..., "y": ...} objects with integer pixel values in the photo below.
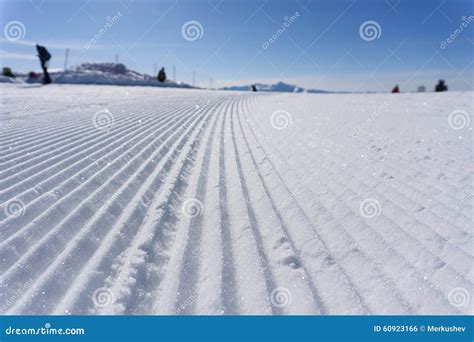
[
  {"x": 154, "y": 70},
  {"x": 116, "y": 58},
  {"x": 194, "y": 78},
  {"x": 174, "y": 74},
  {"x": 66, "y": 59},
  {"x": 210, "y": 84}
]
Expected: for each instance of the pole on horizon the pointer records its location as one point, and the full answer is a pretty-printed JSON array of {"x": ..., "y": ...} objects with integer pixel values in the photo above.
[
  {"x": 194, "y": 78},
  {"x": 210, "y": 83},
  {"x": 154, "y": 70},
  {"x": 66, "y": 58},
  {"x": 174, "y": 74},
  {"x": 116, "y": 58}
]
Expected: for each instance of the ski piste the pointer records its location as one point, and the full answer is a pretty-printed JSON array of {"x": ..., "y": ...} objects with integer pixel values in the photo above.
[{"x": 140, "y": 200}]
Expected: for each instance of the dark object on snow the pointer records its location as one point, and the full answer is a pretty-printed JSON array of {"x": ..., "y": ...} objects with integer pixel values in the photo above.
[
  {"x": 395, "y": 89},
  {"x": 8, "y": 72},
  {"x": 32, "y": 75},
  {"x": 441, "y": 86},
  {"x": 254, "y": 88},
  {"x": 44, "y": 57},
  {"x": 161, "y": 75}
]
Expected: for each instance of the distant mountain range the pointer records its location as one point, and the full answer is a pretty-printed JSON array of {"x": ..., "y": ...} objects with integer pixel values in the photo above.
[
  {"x": 119, "y": 74},
  {"x": 279, "y": 87}
]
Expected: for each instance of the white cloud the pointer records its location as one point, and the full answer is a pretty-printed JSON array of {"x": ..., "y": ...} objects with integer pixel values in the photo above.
[
  {"x": 53, "y": 45},
  {"x": 14, "y": 55}
]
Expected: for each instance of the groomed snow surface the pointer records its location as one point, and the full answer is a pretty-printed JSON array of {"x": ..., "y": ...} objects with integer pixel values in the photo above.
[{"x": 138, "y": 200}]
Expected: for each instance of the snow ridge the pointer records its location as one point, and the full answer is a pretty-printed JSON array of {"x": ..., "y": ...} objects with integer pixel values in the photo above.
[{"x": 192, "y": 202}]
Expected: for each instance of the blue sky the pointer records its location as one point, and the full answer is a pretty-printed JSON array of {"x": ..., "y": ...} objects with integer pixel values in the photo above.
[{"x": 321, "y": 48}]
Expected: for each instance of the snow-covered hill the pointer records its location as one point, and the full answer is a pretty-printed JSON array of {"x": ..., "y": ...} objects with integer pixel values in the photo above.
[
  {"x": 277, "y": 87},
  {"x": 139, "y": 200},
  {"x": 118, "y": 74},
  {"x": 6, "y": 79},
  {"x": 104, "y": 74}
]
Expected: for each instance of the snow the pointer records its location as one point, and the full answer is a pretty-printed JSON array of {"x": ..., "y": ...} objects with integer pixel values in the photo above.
[
  {"x": 6, "y": 79},
  {"x": 140, "y": 200},
  {"x": 102, "y": 73}
]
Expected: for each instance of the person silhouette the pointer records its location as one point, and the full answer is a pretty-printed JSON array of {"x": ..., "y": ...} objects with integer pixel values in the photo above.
[
  {"x": 254, "y": 88},
  {"x": 44, "y": 57},
  {"x": 441, "y": 86},
  {"x": 396, "y": 89}
]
